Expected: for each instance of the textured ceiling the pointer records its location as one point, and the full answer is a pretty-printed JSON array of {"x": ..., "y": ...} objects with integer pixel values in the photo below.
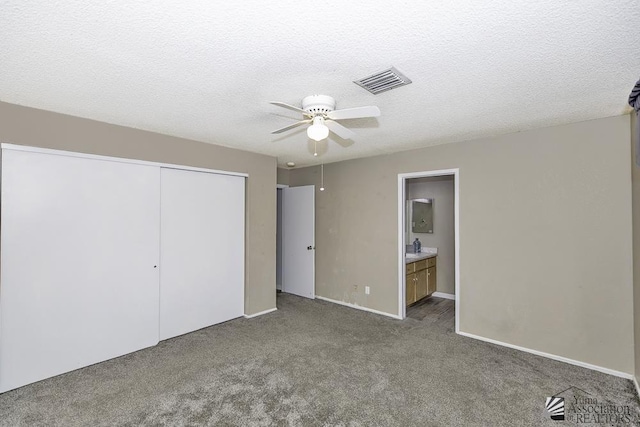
[{"x": 206, "y": 70}]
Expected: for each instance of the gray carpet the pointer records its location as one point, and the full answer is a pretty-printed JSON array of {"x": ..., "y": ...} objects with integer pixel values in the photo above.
[{"x": 313, "y": 363}]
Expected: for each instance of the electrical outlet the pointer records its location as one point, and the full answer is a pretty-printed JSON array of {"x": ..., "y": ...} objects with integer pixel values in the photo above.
[{"x": 367, "y": 291}]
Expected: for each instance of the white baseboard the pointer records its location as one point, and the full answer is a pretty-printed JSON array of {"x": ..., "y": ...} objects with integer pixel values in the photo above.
[
  {"x": 249, "y": 316},
  {"x": 635, "y": 381},
  {"x": 552, "y": 356},
  {"x": 443, "y": 295},
  {"x": 359, "y": 307}
]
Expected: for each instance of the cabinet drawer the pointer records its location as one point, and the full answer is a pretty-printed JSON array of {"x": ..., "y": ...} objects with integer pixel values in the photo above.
[
  {"x": 411, "y": 267},
  {"x": 431, "y": 262},
  {"x": 421, "y": 265}
]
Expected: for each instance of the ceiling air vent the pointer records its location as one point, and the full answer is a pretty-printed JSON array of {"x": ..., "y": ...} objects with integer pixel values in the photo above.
[{"x": 384, "y": 80}]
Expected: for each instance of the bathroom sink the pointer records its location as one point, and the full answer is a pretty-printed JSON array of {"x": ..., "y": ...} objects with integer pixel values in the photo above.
[{"x": 413, "y": 255}]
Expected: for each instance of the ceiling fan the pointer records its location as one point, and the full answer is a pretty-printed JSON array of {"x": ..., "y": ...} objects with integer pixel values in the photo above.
[{"x": 319, "y": 110}]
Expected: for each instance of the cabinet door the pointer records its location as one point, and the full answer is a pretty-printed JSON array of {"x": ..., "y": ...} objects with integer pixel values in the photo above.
[
  {"x": 411, "y": 288},
  {"x": 421, "y": 284},
  {"x": 431, "y": 280},
  {"x": 80, "y": 242}
]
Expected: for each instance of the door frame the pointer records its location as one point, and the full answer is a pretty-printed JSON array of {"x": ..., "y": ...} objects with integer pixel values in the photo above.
[
  {"x": 402, "y": 179},
  {"x": 28, "y": 148},
  {"x": 280, "y": 243}
]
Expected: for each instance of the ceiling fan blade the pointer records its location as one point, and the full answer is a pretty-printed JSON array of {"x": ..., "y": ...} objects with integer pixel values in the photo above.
[
  {"x": 339, "y": 130},
  {"x": 354, "y": 113},
  {"x": 296, "y": 124},
  {"x": 290, "y": 107}
]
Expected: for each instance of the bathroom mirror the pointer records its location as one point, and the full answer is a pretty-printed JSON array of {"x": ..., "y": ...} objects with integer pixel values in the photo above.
[{"x": 422, "y": 215}]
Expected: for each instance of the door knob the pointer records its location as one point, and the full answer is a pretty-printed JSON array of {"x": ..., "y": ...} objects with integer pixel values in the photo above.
[{"x": 310, "y": 248}]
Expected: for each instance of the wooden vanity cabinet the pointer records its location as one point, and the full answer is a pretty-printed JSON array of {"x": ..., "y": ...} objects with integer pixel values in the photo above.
[{"x": 420, "y": 280}]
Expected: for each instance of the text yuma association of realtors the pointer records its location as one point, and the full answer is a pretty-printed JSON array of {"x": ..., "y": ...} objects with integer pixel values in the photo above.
[{"x": 588, "y": 410}]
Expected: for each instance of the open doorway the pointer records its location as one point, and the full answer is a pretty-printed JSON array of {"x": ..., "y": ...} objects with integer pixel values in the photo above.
[{"x": 428, "y": 245}]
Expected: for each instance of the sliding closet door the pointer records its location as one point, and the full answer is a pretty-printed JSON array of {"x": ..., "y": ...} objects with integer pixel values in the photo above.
[
  {"x": 202, "y": 250},
  {"x": 80, "y": 249}
]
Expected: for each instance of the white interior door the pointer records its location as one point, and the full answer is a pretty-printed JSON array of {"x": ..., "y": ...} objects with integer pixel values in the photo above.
[
  {"x": 202, "y": 251},
  {"x": 298, "y": 241},
  {"x": 80, "y": 242}
]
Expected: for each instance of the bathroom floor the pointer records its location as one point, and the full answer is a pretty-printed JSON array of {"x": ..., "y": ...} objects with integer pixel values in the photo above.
[{"x": 434, "y": 309}]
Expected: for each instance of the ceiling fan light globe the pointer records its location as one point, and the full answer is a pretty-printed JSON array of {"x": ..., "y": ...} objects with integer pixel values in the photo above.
[{"x": 317, "y": 131}]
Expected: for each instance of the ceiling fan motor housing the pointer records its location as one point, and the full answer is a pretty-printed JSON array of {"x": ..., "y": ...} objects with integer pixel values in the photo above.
[{"x": 318, "y": 104}]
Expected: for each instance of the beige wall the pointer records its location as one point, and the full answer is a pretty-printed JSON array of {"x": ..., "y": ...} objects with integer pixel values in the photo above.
[
  {"x": 27, "y": 126},
  {"x": 636, "y": 242},
  {"x": 442, "y": 191},
  {"x": 283, "y": 176},
  {"x": 545, "y": 236}
]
